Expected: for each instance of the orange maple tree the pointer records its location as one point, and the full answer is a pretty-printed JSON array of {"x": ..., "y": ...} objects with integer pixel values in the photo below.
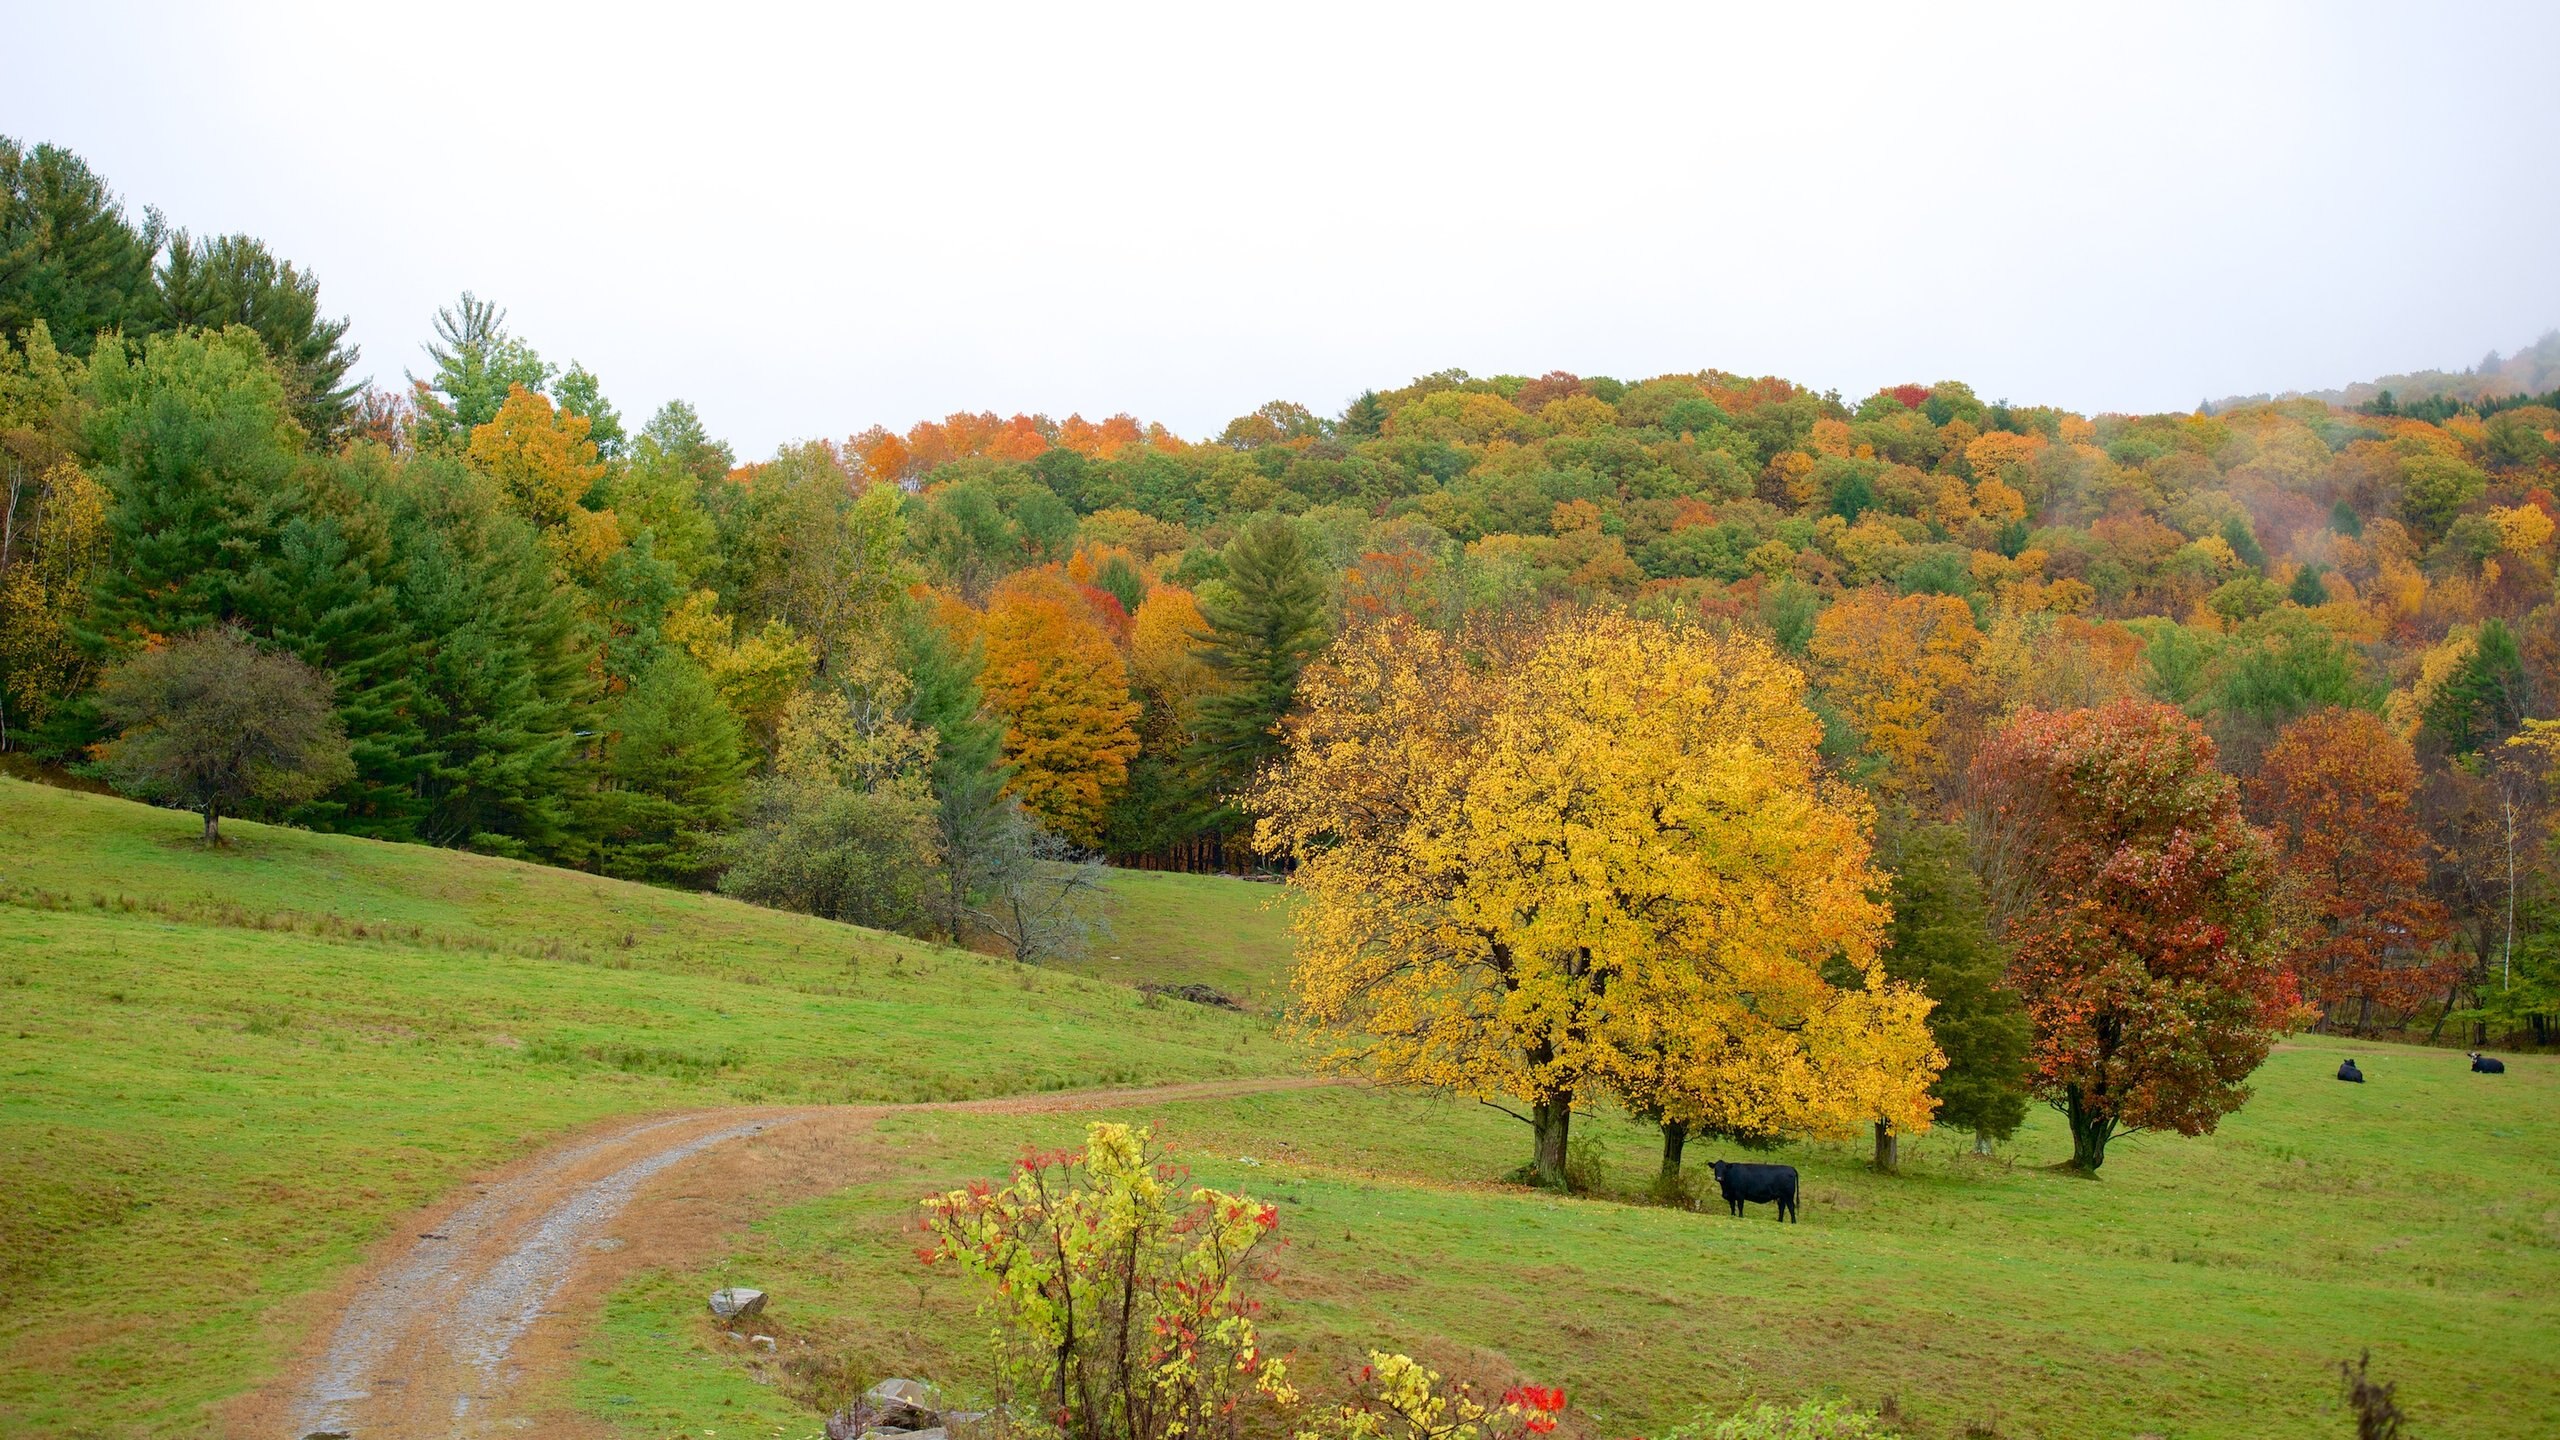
[
  {"x": 1055, "y": 675},
  {"x": 2336, "y": 789}
]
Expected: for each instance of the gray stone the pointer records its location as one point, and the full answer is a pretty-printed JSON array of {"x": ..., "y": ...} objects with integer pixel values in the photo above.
[
  {"x": 737, "y": 1304},
  {"x": 891, "y": 1410}
]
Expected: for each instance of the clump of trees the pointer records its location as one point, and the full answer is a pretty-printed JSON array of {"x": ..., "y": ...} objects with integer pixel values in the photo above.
[{"x": 556, "y": 634}]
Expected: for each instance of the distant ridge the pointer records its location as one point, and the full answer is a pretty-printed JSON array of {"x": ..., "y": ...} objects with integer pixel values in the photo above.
[{"x": 2534, "y": 370}]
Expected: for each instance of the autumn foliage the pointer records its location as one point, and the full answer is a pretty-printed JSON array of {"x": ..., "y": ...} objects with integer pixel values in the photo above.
[
  {"x": 2336, "y": 788},
  {"x": 1058, "y": 680},
  {"x": 2142, "y": 930},
  {"x": 1590, "y": 855}
]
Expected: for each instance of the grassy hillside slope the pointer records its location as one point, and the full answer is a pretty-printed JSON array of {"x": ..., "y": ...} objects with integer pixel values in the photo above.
[
  {"x": 2202, "y": 1288},
  {"x": 226, "y": 1072},
  {"x": 1214, "y": 930}
]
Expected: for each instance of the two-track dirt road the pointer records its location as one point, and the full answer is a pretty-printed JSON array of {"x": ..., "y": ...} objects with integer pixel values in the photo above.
[{"x": 463, "y": 1314}]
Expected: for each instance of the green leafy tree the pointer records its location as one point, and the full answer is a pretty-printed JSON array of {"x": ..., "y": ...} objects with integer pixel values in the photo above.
[
  {"x": 581, "y": 393},
  {"x": 234, "y": 280},
  {"x": 216, "y": 724},
  {"x": 2434, "y": 488},
  {"x": 476, "y": 364},
  {"x": 68, "y": 256},
  {"x": 670, "y": 778},
  {"x": 1940, "y": 941},
  {"x": 1265, "y": 624}
]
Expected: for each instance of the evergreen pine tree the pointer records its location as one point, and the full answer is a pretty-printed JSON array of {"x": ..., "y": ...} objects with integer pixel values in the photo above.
[
  {"x": 670, "y": 780},
  {"x": 68, "y": 256},
  {"x": 968, "y": 773},
  {"x": 477, "y": 364},
  {"x": 500, "y": 666},
  {"x": 1265, "y": 624},
  {"x": 317, "y": 595},
  {"x": 235, "y": 280},
  {"x": 193, "y": 440},
  {"x": 1940, "y": 941}
]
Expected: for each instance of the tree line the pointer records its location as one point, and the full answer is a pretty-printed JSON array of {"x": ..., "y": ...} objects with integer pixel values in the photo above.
[{"x": 886, "y": 678}]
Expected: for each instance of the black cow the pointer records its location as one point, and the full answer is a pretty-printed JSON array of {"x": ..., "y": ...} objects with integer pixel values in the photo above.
[
  {"x": 1743, "y": 1183},
  {"x": 2349, "y": 1073},
  {"x": 2486, "y": 1065}
]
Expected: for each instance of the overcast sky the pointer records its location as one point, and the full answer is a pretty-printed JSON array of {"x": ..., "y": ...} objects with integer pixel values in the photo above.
[{"x": 810, "y": 219}]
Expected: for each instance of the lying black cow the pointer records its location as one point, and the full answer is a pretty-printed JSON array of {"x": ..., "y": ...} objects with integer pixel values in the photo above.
[
  {"x": 2486, "y": 1065},
  {"x": 1744, "y": 1183},
  {"x": 2349, "y": 1073}
]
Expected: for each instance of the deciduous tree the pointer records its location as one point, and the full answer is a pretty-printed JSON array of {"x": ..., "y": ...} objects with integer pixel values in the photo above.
[
  {"x": 1055, "y": 676},
  {"x": 216, "y": 724},
  {"x": 2142, "y": 935},
  {"x": 1898, "y": 667},
  {"x": 2336, "y": 790}
]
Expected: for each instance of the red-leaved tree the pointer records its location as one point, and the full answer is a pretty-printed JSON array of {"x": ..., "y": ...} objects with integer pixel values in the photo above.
[
  {"x": 2335, "y": 789},
  {"x": 2140, "y": 919}
]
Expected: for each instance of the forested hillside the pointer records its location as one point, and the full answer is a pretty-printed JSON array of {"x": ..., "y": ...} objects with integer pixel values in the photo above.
[{"x": 892, "y": 678}]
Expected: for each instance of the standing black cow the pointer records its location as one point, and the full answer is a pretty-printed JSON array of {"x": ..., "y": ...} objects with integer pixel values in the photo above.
[
  {"x": 1743, "y": 1183},
  {"x": 2485, "y": 1065},
  {"x": 2349, "y": 1073}
]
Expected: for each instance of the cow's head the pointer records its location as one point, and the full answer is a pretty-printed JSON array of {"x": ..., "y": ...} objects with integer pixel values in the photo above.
[{"x": 1717, "y": 1167}]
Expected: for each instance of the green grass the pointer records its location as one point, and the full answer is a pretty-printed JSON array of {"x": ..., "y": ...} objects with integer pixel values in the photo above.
[
  {"x": 228, "y": 1072},
  {"x": 2202, "y": 1288},
  {"x": 1214, "y": 930}
]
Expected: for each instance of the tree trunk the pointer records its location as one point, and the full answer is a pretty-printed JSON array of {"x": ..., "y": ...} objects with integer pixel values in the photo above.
[
  {"x": 1981, "y": 1142},
  {"x": 1675, "y": 1137},
  {"x": 212, "y": 825},
  {"x": 1888, "y": 1147},
  {"x": 2090, "y": 1132},
  {"x": 1553, "y": 1120}
]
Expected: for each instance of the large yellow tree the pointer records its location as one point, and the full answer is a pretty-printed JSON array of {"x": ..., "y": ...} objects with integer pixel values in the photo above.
[
  {"x": 1898, "y": 668},
  {"x": 1593, "y": 855}
]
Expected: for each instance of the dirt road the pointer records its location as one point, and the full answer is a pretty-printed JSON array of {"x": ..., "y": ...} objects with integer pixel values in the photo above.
[{"x": 462, "y": 1315}]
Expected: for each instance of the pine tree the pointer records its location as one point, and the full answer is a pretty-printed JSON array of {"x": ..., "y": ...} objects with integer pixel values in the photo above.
[
  {"x": 477, "y": 364},
  {"x": 1365, "y": 416},
  {"x": 1264, "y": 627},
  {"x": 1940, "y": 941},
  {"x": 968, "y": 771},
  {"x": 316, "y": 595},
  {"x": 235, "y": 280},
  {"x": 194, "y": 442},
  {"x": 500, "y": 667},
  {"x": 68, "y": 256},
  {"x": 671, "y": 777},
  {"x": 582, "y": 394}
]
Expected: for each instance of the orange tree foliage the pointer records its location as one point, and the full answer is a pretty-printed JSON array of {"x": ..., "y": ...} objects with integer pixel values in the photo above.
[
  {"x": 1070, "y": 726},
  {"x": 2336, "y": 789},
  {"x": 1590, "y": 855},
  {"x": 546, "y": 465},
  {"x": 1897, "y": 667},
  {"x": 2141, "y": 927}
]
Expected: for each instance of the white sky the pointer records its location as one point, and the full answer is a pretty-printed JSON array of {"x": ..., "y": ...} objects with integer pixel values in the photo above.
[{"x": 808, "y": 219}]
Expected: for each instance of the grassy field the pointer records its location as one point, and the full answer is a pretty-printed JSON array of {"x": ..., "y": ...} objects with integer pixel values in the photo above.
[
  {"x": 2202, "y": 1288},
  {"x": 227, "y": 1072},
  {"x": 1167, "y": 929}
]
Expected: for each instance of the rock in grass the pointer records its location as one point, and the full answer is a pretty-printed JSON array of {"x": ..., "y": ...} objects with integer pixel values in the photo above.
[
  {"x": 907, "y": 1409},
  {"x": 736, "y": 1304}
]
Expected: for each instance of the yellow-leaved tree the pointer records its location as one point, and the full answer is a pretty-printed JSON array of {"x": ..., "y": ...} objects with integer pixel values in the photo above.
[{"x": 1594, "y": 854}]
